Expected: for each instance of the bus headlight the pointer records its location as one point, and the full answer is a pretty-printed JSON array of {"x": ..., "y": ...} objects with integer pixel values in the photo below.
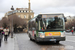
[
  {"x": 41, "y": 35},
  {"x": 62, "y": 34}
]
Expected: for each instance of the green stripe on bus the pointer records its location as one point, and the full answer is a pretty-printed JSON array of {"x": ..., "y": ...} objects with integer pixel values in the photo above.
[{"x": 36, "y": 33}]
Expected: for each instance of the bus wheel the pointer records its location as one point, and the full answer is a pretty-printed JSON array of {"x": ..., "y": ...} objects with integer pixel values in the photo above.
[
  {"x": 30, "y": 37},
  {"x": 57, "y": 42},
  {"x": 36, "y": 40}
]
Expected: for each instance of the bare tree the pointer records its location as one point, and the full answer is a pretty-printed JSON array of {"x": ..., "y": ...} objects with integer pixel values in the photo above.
[
  {"x": 70, "y": 23},
  {"x": 17, "y": 21},
  {"x": 4, "y": 22},
  {"x": 0, "y": 24},
  {"x": 25, "y": 24}
]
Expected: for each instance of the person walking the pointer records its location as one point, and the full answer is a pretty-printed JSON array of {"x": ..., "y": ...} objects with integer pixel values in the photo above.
[
  {"x": 0, "y": 37},
  {"x": 6, "y": 30},
  {"x": 2, "y": 32},
  {"x": 72, "y": 32}
]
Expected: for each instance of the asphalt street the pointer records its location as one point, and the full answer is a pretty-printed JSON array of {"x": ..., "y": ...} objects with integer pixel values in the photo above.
[{"x": 24, "y": 43}]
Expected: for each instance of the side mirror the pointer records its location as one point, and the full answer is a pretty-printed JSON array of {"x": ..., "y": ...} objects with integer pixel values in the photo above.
[
  {"x": 65, "y": 19},
  {"x": 36, "y": 20}
]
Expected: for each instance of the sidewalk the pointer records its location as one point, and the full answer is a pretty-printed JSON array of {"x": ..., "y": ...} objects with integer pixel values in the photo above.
[{"x": 11, "y": 44}]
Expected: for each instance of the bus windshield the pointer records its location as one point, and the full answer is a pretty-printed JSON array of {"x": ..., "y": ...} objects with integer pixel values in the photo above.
[{"x": 52, "y": 23}]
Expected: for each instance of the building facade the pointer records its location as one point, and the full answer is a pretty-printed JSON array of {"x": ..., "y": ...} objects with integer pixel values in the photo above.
[{"x": 24, "y": 13}]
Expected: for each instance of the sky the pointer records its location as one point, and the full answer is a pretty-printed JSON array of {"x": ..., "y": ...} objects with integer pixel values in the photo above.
[{"x": 40, "y": 6}]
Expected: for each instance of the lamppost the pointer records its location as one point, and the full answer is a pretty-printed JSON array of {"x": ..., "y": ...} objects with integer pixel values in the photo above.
[
  {"x": 12, "y": 23},
  {"x": 29, "y": 17},
  {"x": 29, "y": 11}
]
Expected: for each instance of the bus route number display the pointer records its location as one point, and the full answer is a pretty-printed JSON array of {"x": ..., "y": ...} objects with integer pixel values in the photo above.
[{"x": 44, "y": 16}]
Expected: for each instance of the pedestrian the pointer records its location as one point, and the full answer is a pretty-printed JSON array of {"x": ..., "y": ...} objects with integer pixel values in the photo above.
[
  {"x": 0, "y": 37},
  {"x": 6, "y": 30},
  {"x": 72, "y": 32},
  {"x": 2, "y": 33}
]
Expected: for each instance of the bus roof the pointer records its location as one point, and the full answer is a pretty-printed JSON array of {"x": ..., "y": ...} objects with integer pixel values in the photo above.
[
  {"x": 51, "y": 13},
  {"x": 47, "y": 14}
]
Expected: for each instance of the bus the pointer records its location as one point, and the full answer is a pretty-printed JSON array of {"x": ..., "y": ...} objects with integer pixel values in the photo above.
[{"x": 47, "y": 27}]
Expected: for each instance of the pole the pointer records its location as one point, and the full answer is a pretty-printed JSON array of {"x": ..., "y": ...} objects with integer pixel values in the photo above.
[
  {"x": 12, "y": 27},
  {"x": 12, "y": 23}
]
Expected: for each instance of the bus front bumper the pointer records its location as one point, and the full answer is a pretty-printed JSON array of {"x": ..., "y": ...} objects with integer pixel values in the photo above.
[{"x": 51, "y": 39}]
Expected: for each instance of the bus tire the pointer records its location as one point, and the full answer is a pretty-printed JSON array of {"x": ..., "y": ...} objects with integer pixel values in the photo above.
[
  {"x": 30, "y": 37},
  {"x": 36, "y": 40},
  {"x": 57, "y": 42}
]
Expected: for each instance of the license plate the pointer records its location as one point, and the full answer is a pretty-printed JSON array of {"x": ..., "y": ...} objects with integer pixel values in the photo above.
[{"x": 52, "y": 39}]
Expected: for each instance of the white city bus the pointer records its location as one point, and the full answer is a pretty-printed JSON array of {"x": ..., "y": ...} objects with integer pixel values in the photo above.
[{"x": 47, "y": 27}]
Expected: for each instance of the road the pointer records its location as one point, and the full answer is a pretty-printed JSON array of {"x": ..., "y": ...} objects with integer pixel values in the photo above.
[{"x": 24, "y": 43}]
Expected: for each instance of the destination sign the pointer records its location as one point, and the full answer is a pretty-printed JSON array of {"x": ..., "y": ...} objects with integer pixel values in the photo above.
[
  {"x": 51, "y": 15},
  {"x": 44, "y": 16}
]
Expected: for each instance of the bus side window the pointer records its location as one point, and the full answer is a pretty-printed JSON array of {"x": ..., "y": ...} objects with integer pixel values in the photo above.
[
  {"x": 29, "y": 26},
  {"x": 33, "y": 25}
]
